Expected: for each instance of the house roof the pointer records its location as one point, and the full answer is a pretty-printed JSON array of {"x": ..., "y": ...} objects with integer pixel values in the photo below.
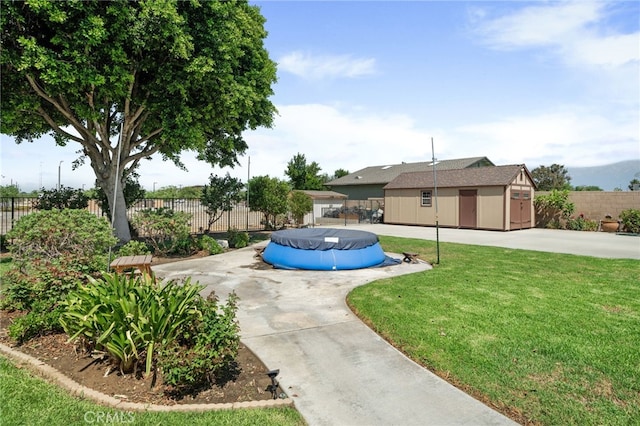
[
  {"x": 386, "y": 173},
  {"x": 323, "y": 195},
  {"x": 482, "y": 176}
]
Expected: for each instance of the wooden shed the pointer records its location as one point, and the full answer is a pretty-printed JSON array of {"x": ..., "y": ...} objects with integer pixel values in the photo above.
[{"x": 497, "y": 198}]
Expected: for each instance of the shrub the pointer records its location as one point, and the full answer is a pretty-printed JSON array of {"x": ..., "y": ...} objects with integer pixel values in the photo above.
[
  {"x": 581, "y": 224},
  {"x": 38, "y": 322},
  {"x": 237, "y": 239},
  {"x": 553, "y": 208},
  {"x": 631, "y": 220},
  {"x": 42, "y": 281},
  {"x": 53, "y": 251},
  {"x": 134, "y": 248},
  {"x": 184, "y": 245},
  {"x": 63, "y": 198},
  {"x": 202, "y": 355},
  {"x": 130, "y": 317},
  {"x": 167, "y": 230},
  {"x": 210, "y": 245},
  {"x": 45, "y": 235}
]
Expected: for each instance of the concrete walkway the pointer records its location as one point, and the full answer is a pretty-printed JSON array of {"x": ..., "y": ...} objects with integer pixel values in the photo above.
[{"x": 337, "y": 371}]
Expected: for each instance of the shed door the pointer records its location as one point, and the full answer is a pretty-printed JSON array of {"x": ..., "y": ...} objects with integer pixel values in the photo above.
[
  {"x": 468, "y": 208},
  {"x": 520, "y": 210}
]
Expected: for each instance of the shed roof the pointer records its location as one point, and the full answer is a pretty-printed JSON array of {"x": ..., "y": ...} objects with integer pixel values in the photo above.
[
  {"x": 386, "y": 173},
  {"x": 474, "y": 177},
  {"x": 323, "y": 195}
]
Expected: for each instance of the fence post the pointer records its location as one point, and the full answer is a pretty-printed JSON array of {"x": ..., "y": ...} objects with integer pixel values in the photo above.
[{"x": 13, "y": 210}]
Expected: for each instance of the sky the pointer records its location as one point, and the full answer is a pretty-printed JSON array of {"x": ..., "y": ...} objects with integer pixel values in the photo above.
[{"x": 372, "y": 83}]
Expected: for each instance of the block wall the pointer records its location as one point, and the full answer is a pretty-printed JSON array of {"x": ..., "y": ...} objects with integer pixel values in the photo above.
[{"x": 596, "y": 205}]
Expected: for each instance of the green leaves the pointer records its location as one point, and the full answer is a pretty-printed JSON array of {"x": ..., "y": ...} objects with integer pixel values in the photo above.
[
  {"x": 169, "y": 75},
  {"x": 206, "y": 350},
  {"x": 130, "y": 316},
  {"x": 270, "y": 196},
  {"x": 631, "y": 220},
  {"x": 553, "y": 207},
  {"x": 299, "y": 205},
  {"x": 166, "y": 229},
  {"x": 49, "y": 233},
  {"x": 221, "y": 195}
]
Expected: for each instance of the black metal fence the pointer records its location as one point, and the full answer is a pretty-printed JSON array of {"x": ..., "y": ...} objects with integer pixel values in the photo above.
[
  {"x": 240, "y": 217},
  {"x": 353, "y": 211}
]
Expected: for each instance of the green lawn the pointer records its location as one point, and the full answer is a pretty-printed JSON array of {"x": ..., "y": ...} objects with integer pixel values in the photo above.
[
  {"x": 26, "y": 400},
  {"x": 548, "y": 338}
]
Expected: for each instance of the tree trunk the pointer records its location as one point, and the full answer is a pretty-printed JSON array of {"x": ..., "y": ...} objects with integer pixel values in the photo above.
[{"x": 119, "y": 214}]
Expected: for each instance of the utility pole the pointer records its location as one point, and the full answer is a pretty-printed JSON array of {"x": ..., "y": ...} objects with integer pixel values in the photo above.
[
  {"x": 59, "y": 166},
  {"x": 435, "y": 193},
  {"x": 248, "y": 178}
]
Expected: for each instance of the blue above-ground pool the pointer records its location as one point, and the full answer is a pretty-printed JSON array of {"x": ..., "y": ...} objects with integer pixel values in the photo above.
[{"x": 323, "y": 249}]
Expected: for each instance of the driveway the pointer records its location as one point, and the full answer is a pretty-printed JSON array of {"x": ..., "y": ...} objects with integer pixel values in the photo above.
[
  {"x": 597, "y": 244},
  {"x": 338, "y": 371}
]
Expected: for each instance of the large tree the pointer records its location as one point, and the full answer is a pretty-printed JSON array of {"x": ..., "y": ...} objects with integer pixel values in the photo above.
[
  {"x": 556, "y": 176},
  {"x": 129, "y": 79}
]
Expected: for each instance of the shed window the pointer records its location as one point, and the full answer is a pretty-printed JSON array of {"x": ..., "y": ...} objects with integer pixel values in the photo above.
[{"x": 425, "y": 199}]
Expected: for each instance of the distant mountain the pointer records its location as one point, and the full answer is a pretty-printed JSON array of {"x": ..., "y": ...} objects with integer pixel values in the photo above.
[{"x": 608, "y": 176}]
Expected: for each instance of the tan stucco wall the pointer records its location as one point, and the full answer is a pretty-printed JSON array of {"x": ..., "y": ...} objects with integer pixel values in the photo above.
[
  {"x": 596, "y": 205},
  {"x": 402, "y": 206}
]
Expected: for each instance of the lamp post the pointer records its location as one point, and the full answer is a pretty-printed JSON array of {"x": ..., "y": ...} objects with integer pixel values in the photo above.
[
  {"x": 154, "y": 186},
  {"x": 59, "y": 166}
]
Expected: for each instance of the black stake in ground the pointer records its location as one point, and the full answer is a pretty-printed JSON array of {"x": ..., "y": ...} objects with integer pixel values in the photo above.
[{"x": 273, "y": 387}]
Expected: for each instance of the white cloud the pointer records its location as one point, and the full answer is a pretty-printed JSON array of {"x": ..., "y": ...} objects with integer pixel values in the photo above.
[
  {"x": 354, "y": 137},
  {"x": 570, "y": 136},
  {"x": 336, "y": 137},
  {"x": 317, "y": 67},
  {"x": 572, "y": 29}
]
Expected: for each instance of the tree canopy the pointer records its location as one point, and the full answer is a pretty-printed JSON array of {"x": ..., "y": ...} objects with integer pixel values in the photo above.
[
  {"x": 270, "y": 196},
  {"x": 129, "y": 79},
  {"x": 299, "y": 205},
  {"x": 220, "y": 196},
  {"x": 553, "y": 177},
  {"x": 340, "y": 173},
  {"x": 303, "y": 175}
]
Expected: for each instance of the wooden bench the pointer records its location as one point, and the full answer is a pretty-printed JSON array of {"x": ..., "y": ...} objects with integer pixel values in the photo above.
[
  {"x": 140, "y": 262},
  {"x": 410, "y": 257}
]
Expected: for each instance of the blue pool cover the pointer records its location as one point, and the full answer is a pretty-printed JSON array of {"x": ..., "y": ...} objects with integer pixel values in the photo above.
[{"x": 324, "y": 249}]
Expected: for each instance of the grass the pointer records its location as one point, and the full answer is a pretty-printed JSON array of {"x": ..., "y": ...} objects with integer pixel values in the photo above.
[
  {"x": 548, "y": 338},
  {"x": 5, "y": 265},
  {"x": 27, "y": 400}
]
